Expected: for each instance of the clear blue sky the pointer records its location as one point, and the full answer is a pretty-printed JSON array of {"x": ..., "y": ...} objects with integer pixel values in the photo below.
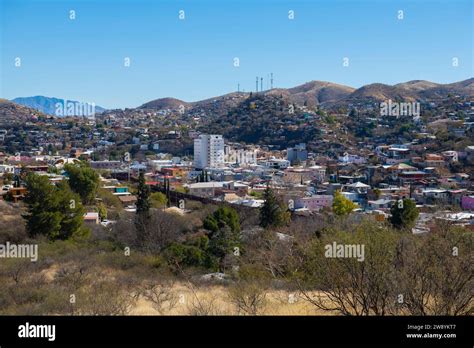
[{"x": 192, "y": 59}]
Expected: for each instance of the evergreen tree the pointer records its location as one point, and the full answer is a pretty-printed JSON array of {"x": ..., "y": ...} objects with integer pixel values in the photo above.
[
  {"x": 223, "y": 216},
  {"x": 167, "y": 190},
  {"x": 71, "y": 210},
  {"x": 83, "y": 180},
  {"x": 17, "y": 181},
  {"x": 224, "y": 225},
  {"x": 54, "y": 211},
  {"x": 142, "y": 217},
  {"x": 143, "y": 200},
  {"x": 272, "y": 212},
  {"x": 42, "y": 217},
  {"x": 404, "y": 214}
]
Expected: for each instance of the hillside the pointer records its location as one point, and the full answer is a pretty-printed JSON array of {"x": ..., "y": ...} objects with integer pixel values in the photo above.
[
  {"x": 411, "y": 91},
  {"x": 326, "y": 95},
  {"x": 465, "y": 87},
  {"x": 417, "y": 85},
  {"x": 314, "y": 93},
  {"x": 164, "y": 103},
  {"x": 10, "y": 111},
  {"x": 265, "y": 117},
  {"x": 266, "y": 120},
  {"x": 378, "y": 92}
]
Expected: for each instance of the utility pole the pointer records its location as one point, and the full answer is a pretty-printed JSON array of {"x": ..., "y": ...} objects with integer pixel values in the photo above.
[{"x": 256, "y": 85}]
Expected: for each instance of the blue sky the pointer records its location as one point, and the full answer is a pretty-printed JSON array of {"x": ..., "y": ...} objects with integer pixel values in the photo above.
[{"x": 193, "y": 59}]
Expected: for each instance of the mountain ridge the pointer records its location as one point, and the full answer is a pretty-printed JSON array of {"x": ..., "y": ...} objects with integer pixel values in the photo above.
[
  {"x": 324, "y": 93},
  {"x": 312, "y": 93}
]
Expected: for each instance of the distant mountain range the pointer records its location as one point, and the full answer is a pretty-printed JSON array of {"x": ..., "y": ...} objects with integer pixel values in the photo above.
[
  {"x": 314, "y": 93},
  {"x": 327, "y": 94},
  {"x": 58, "y": 107}
]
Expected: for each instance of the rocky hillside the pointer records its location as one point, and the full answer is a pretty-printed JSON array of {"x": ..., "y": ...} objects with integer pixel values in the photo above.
[
  {"x": 327, "y": 95},
  {"x": 164, "y": 104},
  {"x": 10, "y": 112}
]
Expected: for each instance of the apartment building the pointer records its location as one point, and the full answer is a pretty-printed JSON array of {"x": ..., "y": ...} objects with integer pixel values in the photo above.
[{"x": 208, "y": 151}]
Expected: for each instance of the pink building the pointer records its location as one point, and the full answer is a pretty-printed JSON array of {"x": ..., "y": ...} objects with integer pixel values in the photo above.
[
  {"x": 467, "y": 203},
  {"x": 314, "y": 203}
]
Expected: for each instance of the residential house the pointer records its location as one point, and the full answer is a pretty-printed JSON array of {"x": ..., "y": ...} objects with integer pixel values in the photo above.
[
  {"x": 467, "y": 202},
  {"x": 91, "y": 218},
  {"x": 314, "y": 203}
]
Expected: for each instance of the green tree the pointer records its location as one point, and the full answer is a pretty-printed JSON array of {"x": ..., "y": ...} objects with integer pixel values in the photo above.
[
  {"x": 193, "y": 252},
  {"x": 102, "y": 210},
  {"x": 158, "y": 200},
  {"x": 83, "y": 180},
  {"x": 256, "y": 194},
  {"x": 272, "y": 212},
  {"x": 341, "y": 205},
  {"x": 223, "y": 216},
  {"x": 143, "y": 200},
  {"x": 71, "y": 210},
  {"x": 54, "y": 170},
  {"x": 356, "y": 282},
  {"x": 41, "y": 217},
  {"x": 95, "y": 156},
  {"x": 223, "y": 244},
  {"x": 109, "y": 199},
  {"x": 54, "y": 211},
  {"x": 404, "y": 214},
  {"x": 166, "y": 187},
  {"x": 225, "y": 233},
  {"x": 142, "y": 217},
  {"x": 16, "y": 182}
]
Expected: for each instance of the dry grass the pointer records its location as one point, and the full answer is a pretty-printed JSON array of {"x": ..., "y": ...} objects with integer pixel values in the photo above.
[
  {"x": 203, "y": 299},
  {"x": 278, "y": 302}
]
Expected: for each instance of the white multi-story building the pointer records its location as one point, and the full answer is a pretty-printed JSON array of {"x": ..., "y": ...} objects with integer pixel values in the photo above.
[{"x": 209, "y": 151}]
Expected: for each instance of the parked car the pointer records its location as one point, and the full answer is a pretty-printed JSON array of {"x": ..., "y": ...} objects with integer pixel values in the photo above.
[{"x": 106, "y": 223}]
